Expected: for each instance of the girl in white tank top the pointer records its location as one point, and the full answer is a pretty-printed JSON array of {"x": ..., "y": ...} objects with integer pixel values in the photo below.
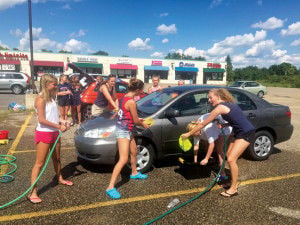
[{"x": 47, "y": 132}]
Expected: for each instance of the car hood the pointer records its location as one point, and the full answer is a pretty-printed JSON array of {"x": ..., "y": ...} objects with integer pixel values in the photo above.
[{"x": 99, "y": 122}]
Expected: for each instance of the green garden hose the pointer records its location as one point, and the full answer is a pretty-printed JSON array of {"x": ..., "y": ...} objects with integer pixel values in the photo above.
[
  {"x": 7, "y": 159},
  {"x": 41, "y": 173},
  {"x": 197, "y": 196}
]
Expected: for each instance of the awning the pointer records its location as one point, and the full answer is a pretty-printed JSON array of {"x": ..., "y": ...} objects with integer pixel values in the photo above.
[
  {"x": 88, "y": 65},
  {"x": 187, "y": 69},
  {"x": 123, "y": 66},
  {"x": 164, "y": 68},
  {"x": 48, "y": 63},
  {"x": 8, "y": 61},
  {"x": 214, "y": 70}
]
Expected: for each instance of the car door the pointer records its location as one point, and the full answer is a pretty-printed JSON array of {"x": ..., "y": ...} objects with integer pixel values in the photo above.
[
  {"x": 252, "y": 87},
  {"x": 3, "y": 82},
  {"x": 6, "y": 80},
  {"x": 248, "y": 107},
  {"x": 190, "y": 106}
]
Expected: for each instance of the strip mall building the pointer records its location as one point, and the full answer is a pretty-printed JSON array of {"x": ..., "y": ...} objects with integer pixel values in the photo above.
[{"x": 169, "y": 70}]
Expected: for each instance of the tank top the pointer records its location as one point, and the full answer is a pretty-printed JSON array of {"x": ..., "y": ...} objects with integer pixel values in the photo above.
[
  {"x": 52, "y": 115},
  {"x": 125, "y": 121},
  {"x": 101, "y": 100},
  {"x": 237, "y": 120},
  {"x": 154, "y": 89}
]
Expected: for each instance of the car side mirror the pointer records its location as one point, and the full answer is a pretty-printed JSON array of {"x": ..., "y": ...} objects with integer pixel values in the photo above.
[
  {"x": 170, "y": 113},
  {"x": 243, "y": 86}
]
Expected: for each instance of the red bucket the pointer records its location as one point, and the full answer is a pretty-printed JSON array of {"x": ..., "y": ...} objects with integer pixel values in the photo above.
[{"x": 4, "y": 134}]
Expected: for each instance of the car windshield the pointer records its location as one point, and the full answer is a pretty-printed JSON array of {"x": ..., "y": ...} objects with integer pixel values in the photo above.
[
  {"x": 155, "y": 101},
  {"x": 237, "y": 84}
]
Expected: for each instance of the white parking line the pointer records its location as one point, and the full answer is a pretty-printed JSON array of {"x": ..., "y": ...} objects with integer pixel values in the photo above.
[{"x": 286, "y": 212}]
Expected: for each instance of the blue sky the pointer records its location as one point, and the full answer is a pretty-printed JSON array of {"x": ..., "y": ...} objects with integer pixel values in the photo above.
[{"x": 252, "y": 32}]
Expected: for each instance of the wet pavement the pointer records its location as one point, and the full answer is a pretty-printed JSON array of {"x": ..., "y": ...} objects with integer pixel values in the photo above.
[{"x": 268, "y": 191}]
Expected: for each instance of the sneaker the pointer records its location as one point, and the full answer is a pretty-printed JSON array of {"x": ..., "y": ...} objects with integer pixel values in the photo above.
[{"x": 139, "y": 176}]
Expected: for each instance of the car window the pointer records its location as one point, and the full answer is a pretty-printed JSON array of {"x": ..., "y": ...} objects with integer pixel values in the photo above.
[
  {"x": 17, "y": 76},
  {"x": 192, "y": 104},
  {"x": 121, "y": 88},
  {"x": 251, "y": 84},
  {"x": 237, "y": 84},
  {"x": 9, "y": 76},
  {"x": 243, "y": 101},
  {"x": 2, "y": 76}
]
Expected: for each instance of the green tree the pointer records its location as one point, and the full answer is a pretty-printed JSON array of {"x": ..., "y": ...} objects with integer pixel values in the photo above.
[
  {"x": 229, "y": 69},
  {"x": 16, "y": 49},
  {"x": 173, "y": 55},
  {"x": 63, "y": 51},
  {"x": 100, "y": 52},
  {"x": 45, "y": 50},
  {"x": 3, "y": 48}
]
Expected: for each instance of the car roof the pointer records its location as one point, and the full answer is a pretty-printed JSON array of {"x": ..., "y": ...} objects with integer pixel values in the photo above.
[{"x": 186, "y": 88}]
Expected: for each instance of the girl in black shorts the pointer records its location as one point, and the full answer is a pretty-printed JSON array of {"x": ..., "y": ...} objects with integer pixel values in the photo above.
[
  {"x": 64, "y": 96},
  {"x": 76, "y": 102}
]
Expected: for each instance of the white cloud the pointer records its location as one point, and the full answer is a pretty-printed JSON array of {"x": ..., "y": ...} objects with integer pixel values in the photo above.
[
  {"x": 218, "y": 49},
  {"x": 79, "y": 34},
  {"x": 278, "y": 53},
  {"x": 76, "y": 46},
  {"x": 163, "y": 14},
  {"x": 293, "y": 29},
  {"x": 271, "y": 24},
  {"x": 215, "y": 3},
  {"x": 3, "y": 45},
  {"x": 157, "y": 55},
  {"x": 243, "y": 40},
  {"x": 296, "y": 43},
  {"x": 259, "y": 2},
  {"x": 66, "y": 6},
  {"x": 192, "y": 51},
  {"x": 139, "y": 44},
  {"x": 16, "y": 33},
  {"x": 166, "y": 40},
  {"x": 261, "y": 48},
  {"x": 164, "y": 29},
  {"x": 4, "y": 4}
]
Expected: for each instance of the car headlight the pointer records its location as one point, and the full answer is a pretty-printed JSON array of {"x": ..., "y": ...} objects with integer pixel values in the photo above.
[{"x": 99, "y": 132}]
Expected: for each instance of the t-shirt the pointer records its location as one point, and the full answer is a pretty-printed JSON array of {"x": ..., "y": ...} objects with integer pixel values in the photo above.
[{"x": 211, "y": 131}]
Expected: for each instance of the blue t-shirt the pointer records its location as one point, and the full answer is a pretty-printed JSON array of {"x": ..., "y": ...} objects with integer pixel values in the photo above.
[{"x": 64, "y": 87}]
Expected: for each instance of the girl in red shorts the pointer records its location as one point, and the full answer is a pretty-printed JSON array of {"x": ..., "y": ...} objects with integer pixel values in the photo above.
[{"x": 46, "y": 132}]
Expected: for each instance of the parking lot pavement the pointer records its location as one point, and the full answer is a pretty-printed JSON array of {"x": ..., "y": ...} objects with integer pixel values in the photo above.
[
  {"x": 7, "y": 97},
  {"x": 268, "y": 191}
]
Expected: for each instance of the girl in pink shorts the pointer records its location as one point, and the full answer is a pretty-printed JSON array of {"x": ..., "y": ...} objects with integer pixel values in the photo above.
[{"x": 46, "y": 132}]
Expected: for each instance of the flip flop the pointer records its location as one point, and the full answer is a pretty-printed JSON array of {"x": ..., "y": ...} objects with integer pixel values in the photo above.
[
  {"x": 228, "y": 195},
  {"x": 34, "y": 200},
  {"x": 67, "y": 182},
  {"x": 113, "y": 193}
]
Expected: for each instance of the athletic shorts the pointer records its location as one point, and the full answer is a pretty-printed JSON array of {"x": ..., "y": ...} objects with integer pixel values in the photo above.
[
  {"x": 249, "y": 136},
  {"x": 65, "y": 101},
  {"x": 46, "y": 137},
  {"x": 123, "y": 134}
]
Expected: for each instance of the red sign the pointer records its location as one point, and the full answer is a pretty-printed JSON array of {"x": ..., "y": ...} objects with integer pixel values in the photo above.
[
  {"x": 156, "y": 63},
  {"x": 14, "y": 56},
  {"x": 213, "y": 65}
]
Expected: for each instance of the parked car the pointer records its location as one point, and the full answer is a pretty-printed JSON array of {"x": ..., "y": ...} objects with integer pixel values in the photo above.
[
  {"x": 172, "y": 109},
  {"x": 251, "y": 86},
  {"x": 16, "y": 81}
]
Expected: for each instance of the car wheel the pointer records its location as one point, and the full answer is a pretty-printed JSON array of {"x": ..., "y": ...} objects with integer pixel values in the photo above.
[
  {"x": 17, "y": 89},
  {"x": 260, "y": 94},
  {"x": 262, "y": 146},
  {"x": 86, "y": 112},
  {"x": 145, "y": 156}
]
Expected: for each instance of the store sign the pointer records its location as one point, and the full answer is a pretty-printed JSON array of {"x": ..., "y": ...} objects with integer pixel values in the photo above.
[
  {"x": 124, "y": 61},
  {"x": 182, "y": 64},
  {"x": 7, "y": 67},
  {"x": 87, "y": 59},
  {"x": 14, "y": 56},
  {"x": 213, "y": 65},
  {"x": 156, "y": 63}
]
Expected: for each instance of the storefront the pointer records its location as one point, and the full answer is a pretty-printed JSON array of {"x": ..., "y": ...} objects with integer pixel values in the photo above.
[
  {"x": 47, "y": 67},
  {"x": 10, "y": 65},
  {"x": 156, "y": 68},
  {"x": 186, "y": 71},
  {"x": 213, "y": 72},
  {"x": 90, "y": 68},
  {"x": 126, "y": 71}
]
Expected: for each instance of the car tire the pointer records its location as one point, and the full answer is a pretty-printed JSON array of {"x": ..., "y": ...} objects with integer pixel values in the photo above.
[
  {"x": 86, "y": 112},
  {"x": 260, "y": 94},
  {"x": 17, "y": 89},
  {"x": 262, "y": 147},
  {"x": 145, "y": 156}
]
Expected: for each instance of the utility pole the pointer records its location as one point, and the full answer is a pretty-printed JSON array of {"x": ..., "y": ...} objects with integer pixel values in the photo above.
[{"x": 31, "y": 48}]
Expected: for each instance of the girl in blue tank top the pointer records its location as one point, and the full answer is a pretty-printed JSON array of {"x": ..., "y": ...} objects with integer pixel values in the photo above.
[{"x": 243, "y": 131}]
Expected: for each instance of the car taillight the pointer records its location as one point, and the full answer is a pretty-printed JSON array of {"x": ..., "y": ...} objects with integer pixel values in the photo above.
[
  {"x": 289, "y": 114},
  {"x": 28, "y": 80}
]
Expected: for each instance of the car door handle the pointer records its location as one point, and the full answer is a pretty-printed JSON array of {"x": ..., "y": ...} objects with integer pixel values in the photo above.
[{"x": 251, "y": 116}]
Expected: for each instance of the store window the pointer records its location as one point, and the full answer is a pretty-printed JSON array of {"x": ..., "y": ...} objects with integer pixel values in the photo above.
[
  {"x": 214, "y": 75},
  {"x": 184, "y": 75},
  {"x": 126, "y": 74}
]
